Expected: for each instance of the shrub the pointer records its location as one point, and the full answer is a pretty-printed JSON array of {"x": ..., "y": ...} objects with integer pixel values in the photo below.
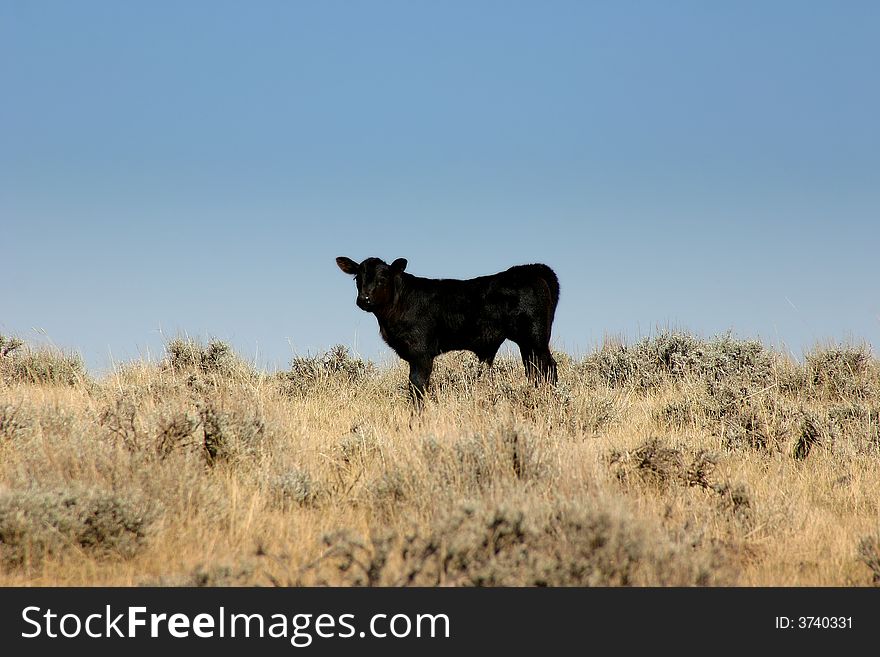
[
  {"x": 8, "y": 345},
  {"x": 653, "y": 462},
  {"x": 677, "y": 414},
  {"x": 230, "y": 435},
  {"x": 841, "y": 371},
  {"x": 513, "y": 544},
  {"x": 739, "y": 415},
  {"x": 674, "y": 356},
  {"x": 475, "y": 463},
  {"x": 389, "y": 489},
  {"x": 735, "y": 500},
  {"x": 808, "y": 437},
  {"x": 337, "y": 364},
  {"x": 587, "y": 411},
  {"x": 242, "y": 574},
  {"x": 859, "y": 422},
  {"x": 357, "y": 447},
  {"x": 35, "y": 523},
  {"x": 293, "y": 487},
  {"x": 869, "y": 554},
  {"x": 176, "y": 431},
  {"x": 120, "y": 420},
  {"x": 45, "y": 365},
  {"x": 188, "y": 356}
]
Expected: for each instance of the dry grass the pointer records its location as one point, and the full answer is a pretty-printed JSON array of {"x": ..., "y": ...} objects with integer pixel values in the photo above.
[{"x": 674, "y": 461}]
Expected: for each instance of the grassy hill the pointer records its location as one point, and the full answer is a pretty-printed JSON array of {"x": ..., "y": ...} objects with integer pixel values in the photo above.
[{"x": 671, "y": 461}]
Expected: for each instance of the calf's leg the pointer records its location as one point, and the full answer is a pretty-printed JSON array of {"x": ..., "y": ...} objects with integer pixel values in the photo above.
[
  {"x": 538, "y": 363},
  {"x": 419, "y": 376},
  {"x": 546, "y": 365}
]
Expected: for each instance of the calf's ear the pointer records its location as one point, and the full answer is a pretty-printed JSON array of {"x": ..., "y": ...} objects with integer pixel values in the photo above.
[
  {"x": 399, "y": 264},
  {"x": 347, "y": 265}
]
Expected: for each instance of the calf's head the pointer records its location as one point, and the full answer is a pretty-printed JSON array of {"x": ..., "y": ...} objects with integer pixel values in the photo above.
[{"x": 375, "y": 280}]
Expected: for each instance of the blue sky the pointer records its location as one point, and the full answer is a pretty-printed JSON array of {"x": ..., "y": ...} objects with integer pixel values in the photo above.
[{"x": 195, "y": 167}]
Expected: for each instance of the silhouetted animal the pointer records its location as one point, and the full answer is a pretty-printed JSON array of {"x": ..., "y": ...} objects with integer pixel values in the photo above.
[{"x": 421, "y": 318}]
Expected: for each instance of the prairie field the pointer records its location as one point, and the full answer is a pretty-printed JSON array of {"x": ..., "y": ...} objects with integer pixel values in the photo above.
[{"x": 674, "y": 460}]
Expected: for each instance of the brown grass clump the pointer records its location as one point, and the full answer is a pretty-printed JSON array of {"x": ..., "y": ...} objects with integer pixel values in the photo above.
[
  {"x": 20, "y": 363},
  {"x": 672, "y": 461}
]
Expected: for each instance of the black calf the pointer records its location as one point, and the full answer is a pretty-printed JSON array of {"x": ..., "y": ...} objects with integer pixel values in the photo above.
[{"x": 421, "y": 318}]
